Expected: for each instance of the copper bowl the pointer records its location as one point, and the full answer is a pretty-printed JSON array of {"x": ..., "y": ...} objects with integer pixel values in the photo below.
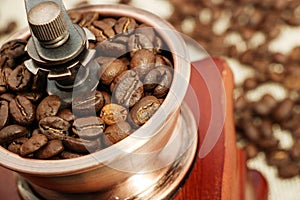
[{"x": 152, "y": 148}]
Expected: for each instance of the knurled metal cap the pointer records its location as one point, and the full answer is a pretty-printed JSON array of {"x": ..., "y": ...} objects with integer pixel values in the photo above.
[{"x": 48, "y": 24}]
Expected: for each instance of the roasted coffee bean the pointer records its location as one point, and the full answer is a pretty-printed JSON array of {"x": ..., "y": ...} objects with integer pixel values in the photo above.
[
  {"x": 142, "y": 62},
  {"x": 51, "y": 149},
  {"x": 125, "y": 25},
  {"x": 288, "y": 171},
  {"x": 16, "y": 144},
  {"x": 49, "y": 106},
  {"x": 38, "y": 82},
  {"x": 144, "y": 109},
  {"x": 139, "y": 41},
  {"x": 251, "y": 131},
  {"x": 100, "y": 37},
  {"x": 250, "y": 83},
  {"x": 75, "y": 16},
  {"x": 146, "y": 30},
  {"x": 33, "y": 144},
  {"x": 268, "y": 144},
  {"x": 117, "y": 132},
  {"x": 33, "y": 96},
  {"x": 88, "y": 18},
  {"x": 11, "y": 132},
  {"x": 109, "y": 21},
  {"x": 88, "y": 127},
  {"x": 266, "y": 129},
  {"x": 19, "y": 79},
  {"x": 251, "y": 150},
  {"x": 107, "y": 97},
  {"x": 14, "y": 147},
  {"x": 22, "y": 110},
  {"x": 70, "y": 155},
  {"x": 4, "y": 113},
  {"x": 88, "y": 103},
  {"x": 110, "y": 70},
  {"x": 284, "y": 109},
  {"x": 54, "y": 127},
  {"x": 295, "y": 150},
  {"x": 128, "y": 89},
  {"x": 112, "y": 49},
  {"x": 278, "y": 158},
  {"x": 7, "y": 97},
  {"x": 105, "y": 28},
  {"x": 265, "y": 105},
  {"x": 14, "y": 48},
  {"x": 66, "y": 114},
  {"x": 4, "y": 74},
  {"x": 159, "y": 79},
  {"x": 113, "y": 113},
  {"x": 80, "y": 145}
]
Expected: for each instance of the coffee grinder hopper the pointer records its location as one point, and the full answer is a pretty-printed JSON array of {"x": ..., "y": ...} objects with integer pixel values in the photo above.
[{"x": 59, "y": 48}]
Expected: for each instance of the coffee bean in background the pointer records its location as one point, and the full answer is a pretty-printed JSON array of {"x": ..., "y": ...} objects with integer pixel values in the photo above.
[
  {"x": 134, "y": 74},
  {"x": 254, "y": 25}
]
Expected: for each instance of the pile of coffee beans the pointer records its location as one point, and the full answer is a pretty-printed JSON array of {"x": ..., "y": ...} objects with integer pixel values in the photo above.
[
  {"x": 131, "y": 88},
  {"x": 255, "y": 120}
]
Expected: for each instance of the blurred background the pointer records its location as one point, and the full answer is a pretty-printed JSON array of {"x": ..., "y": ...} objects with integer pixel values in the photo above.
[{"x": 260, "y": 41}]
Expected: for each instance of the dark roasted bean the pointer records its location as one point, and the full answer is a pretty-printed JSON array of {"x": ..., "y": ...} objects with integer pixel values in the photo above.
[
  {"x": 69, "y": 155},
  {"x": 11, "y": 132},
  {"x": 125, "y": 25},
  {"x": 159, "y": 79},
  {"x": 48, "y": 107},
  {"x": 33, "y": 144},
  {"x": 88, "y": 127},
  {"x": 117, "y": 132},
  {"x": 19, "y": 79},
  {"x": 4, "y": 113},
  {"x": 139, "y": 41},
  {"x": 66, "y": 114},
  {"x": 22, "y": 110},
  {"x": 4, "y": 74},
  {"x": 128, "y": 89},
  {"x": 144, "y": 109},
  {"x": 111, "y": 70},
  {"x": 278, "y": 158},
  {"x": 88, "y": 103},
  {"x": 142, "y": 62},
  {"x": 284, "y": 109},
  {"x": 288, "y": 171},
  {"x": 52, "y": 148},
  {"x": 80, "y": 145},
  {"x": 54, "y": 127}
]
